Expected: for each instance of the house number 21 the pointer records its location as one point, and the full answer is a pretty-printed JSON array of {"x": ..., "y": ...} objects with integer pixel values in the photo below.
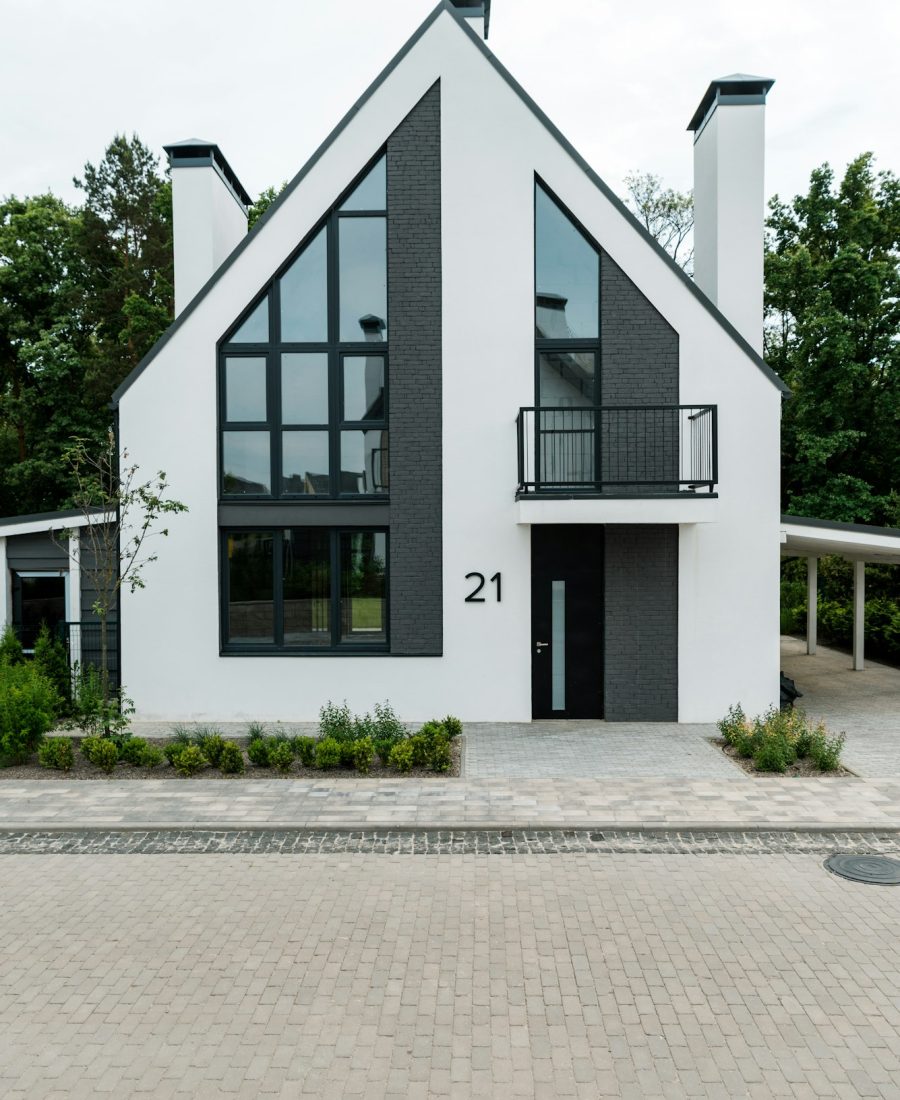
[{"x": 473, "y": 596}]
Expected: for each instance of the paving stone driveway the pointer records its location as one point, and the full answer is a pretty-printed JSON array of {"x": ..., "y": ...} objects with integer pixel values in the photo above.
[{"x": 404, "y": 977}]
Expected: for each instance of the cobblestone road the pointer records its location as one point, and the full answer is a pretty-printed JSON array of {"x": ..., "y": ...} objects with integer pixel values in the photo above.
[{"x": 344, "y": 974}]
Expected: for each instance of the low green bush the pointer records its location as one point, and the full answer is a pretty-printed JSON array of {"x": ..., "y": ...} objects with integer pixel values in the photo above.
[
  {"x": 258, "y": 752},
  {"x": 363, "y": 755},
  {"x": 348, "y": 748},
  {"x": 440, "y": 758},
  {"x": 419, "y": 745},
  {"x": 281, "y": 757},
  {"x": 132, "y": 750},
  {"x": 383, "y": 746},
  {"x": 388, "y": 726},
  {"x": 824, "y": 751},
  {"x": 105, "y": 755},
  {"x": 336, "y": 723},
  {"x": 328, "y": 753},
  {"x": 51, "y": 660},
  {"x": 11, "y": 652},
  {"x": 305, "y": 750},
  {"x": 773, "y": 753},
  {"x": 401, "y": 756},
  {"x": 453, "y": 726},
  {"x": 28, "y": 709},
  {"x": 189, "y": 761},
  {"x": 777, "y": 739},
  {"x": 231, "y": 759},
  {"x": 211, "y": 743},
  {"x": 151, "y": 757},
  {"x": 171, "y": 749},
  {"x": 56, "y": 752}
]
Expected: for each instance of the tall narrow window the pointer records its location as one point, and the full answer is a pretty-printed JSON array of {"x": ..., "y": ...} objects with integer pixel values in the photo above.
[{"x": 304, "y": 375}]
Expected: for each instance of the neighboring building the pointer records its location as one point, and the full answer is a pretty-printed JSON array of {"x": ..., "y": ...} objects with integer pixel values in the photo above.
[{"x": 453, "y": 430}]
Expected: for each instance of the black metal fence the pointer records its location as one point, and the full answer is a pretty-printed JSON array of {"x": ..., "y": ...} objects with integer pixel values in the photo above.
[
  {"x": 84, "y": 647},
  {"x": 628, "y": 450}
]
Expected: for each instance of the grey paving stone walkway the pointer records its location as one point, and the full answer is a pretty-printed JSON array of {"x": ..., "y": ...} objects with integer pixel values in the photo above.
[
  {"x": 342, "y": 975},
  {"x": 740, "y": 802},
  {"x": 865, "y": 704},
  {"x": 581, "y": 749}
]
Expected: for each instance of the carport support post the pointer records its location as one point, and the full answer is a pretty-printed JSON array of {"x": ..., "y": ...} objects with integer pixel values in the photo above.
[
  {"x": 5, "y": 601},
  {"x": 812, "y": 604},
  {"x": 859, "y": 614}
]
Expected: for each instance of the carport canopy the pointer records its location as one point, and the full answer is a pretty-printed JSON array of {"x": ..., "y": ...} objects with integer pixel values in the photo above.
[{"x": 858, "y": 543}]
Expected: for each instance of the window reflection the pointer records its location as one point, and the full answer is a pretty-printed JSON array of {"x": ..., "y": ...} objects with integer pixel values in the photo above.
[
  {"x": 304, "y": 295},
  {"x": 250, "y": 589},
  {"x": 304, "y": 463},
  {"x": 567, "y": 276},
  {"x": 364, "y": 387},
  {"x": 307, "y": 587},
  {"x": 245, "y": 389},
  {"x": 304, "y": 388},
  {"x": 245, "y": 463},
  {"x": 364, "y": 462},
  {"x": 363, "y": 610},
  {"x": 362, "y": 264},
  {"x": 255, "y": 330},
  {"x": 371, "y": 193}
]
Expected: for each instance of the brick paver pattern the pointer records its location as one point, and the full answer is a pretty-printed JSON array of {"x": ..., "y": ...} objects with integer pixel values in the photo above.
[{"x": 341, "y": 975}]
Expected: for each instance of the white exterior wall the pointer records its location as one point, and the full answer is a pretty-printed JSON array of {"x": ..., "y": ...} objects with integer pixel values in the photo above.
[
  {"x": 492, "y": 146},
  {"x": 729, "y": 210},
  {"x": 207, "y": 223}
]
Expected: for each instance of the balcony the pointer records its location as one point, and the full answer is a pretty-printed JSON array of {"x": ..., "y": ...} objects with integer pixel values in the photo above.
[{"x": 643, "y": 462}]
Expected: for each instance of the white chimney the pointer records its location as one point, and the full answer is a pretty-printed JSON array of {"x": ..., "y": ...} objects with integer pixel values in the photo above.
[
  {"x": 209, "y": 214},
  {"x": 729, "y": 199},
  {"x": 477, "y": 14}
]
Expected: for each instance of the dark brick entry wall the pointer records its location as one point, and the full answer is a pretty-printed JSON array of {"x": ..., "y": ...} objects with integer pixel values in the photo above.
[
  {"x": 641, "y": 623},
  {"x": 414, "y": 324}
]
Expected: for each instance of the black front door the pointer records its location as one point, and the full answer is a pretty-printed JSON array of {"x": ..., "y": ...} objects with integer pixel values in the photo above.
[{"x": 567, "y": 621}]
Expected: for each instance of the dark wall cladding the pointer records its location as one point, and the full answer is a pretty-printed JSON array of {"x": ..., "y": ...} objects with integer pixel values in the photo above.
[
  {"x": 414, "y": 324},
  {"x": 35, "y": 553},
  {"x": 639, "y": 353},
  {"x": 641, "y": 623}
]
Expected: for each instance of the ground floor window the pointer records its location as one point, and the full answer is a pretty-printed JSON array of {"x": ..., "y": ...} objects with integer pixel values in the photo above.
[
  {"x": 305, "y": 589},
  {"x": 38, "y": 599}
]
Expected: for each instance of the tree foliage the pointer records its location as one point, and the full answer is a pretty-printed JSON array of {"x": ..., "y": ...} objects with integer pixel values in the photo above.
[
  {"x": 262, "y": 204},
  {"x": 666, "y": 214},
  {"x": 833, "y": 334}
]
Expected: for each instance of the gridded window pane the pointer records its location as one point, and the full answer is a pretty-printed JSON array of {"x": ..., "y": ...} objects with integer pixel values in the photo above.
[
  {"x": 363, "y": 589},
  {"x": 304, "y": 463},
  {"x": 307, "y": 587},
  {"x": 251, "y": 614},
  {"x": 246, "y": 468},
  {"x": 363, "y": 278},
  {"x": 364, "y": 462},
  {"x": 364, "y": 387},
  {"x": 567, "y": 378},
  {"x": 245, "y": 389},
  {"x": 304, "y": 388},
  {"x": 304, "y": 295},
  {"x": 371, "y": 193},
  {"x": 255, "y": 330},
  {"x": 567, "y": 271}
]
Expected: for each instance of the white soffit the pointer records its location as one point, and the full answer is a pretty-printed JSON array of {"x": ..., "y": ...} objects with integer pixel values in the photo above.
[{"x": 807, "y": 538}]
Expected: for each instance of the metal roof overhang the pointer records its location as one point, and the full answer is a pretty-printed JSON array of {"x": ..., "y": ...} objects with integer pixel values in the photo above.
[{"x": 810, "y": 538}]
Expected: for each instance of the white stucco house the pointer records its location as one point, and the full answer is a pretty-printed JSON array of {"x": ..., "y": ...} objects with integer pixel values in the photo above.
[{"x": 453, "y": 430}]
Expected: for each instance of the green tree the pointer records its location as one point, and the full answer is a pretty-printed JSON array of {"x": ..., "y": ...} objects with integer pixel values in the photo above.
[
  {"x": 45, "y": 344},
  {"x": 666, "y": 214},
  {"x": 126, "y": 245},
  {"x": 262, "y": 204},
  {"x": 833, "y": 334}
]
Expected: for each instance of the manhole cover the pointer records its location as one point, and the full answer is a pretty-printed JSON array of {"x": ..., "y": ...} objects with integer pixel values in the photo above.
[{"x": 878, "y": 869}]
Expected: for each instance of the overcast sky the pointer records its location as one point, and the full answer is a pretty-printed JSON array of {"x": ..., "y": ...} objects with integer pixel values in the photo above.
[{"x": 269, "y": 81}]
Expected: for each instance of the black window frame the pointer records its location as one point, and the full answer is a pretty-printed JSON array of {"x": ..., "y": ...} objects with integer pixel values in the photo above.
[
  {"x": 278, "y": 648},
  {"x": 333, "y": 347}
]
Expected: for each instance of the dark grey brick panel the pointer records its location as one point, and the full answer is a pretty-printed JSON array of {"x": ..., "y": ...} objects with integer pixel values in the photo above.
[
  {"x": 639, "y": 364},
  {"x": 641, "y": 623},
  {"x": 414, "y": 334}
]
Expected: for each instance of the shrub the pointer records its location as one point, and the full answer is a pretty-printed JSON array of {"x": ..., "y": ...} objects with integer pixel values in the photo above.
[
  {"x": 172, "y": 749},
  {"x": 256, "y": 731},
  {"x": 56, "y": 752},
  {"x": 328, "y": 753},
  {"x": 51, "y": 660},
  {"x": 189, "y": 761},
  {"x": 11, "y": 652},
  {"x": 419, "y": 746},
  {"x": 258, "y": 752},
  {"x": 336, "y": 722},
  {"x": 773, "y": 753},
  {"x": 231, "y": 759},
  {"x": 305, "y": 750},
  {"x": 453, "y": 726},
  {"x": 28, "y": 707},
  {"x": 91, "y": 714},
  {"x": 401, "y": 756},
  {"x": 383, "y": 748},
  {"x": 132, "y": 750},
  {"x": 388, "y": 726},
  {"x": 824, "y": 751},
  {"x": 211, "y": 744},
  {"x": 151, "y": 757},
  {"x": 734, "y": 720},
  {"x": 363, "y": 755},
  {"x": 440, "y": 758},
  {"x": 281, "y": 756},
  {"x": 105, "y": 755},
  {"x": 364, "y": 725},
  {"x": 347, "y": 751}
]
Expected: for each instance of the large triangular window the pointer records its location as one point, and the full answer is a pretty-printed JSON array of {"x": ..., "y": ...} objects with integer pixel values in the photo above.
[{"x": 303, "y": 374}]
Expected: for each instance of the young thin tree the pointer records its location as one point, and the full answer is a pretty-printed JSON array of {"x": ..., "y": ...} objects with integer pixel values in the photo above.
[
  {"x": 121, "y": 515},
  {"x": 666, "y": 214}
]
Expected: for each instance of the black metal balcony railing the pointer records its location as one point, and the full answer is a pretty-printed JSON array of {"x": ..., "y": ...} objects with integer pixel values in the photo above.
[
  {"x": 83, "y": 645},
  {"x": 648, "y": 450}
]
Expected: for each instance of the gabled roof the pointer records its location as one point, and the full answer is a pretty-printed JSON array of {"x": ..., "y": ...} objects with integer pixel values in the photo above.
[{"x": 458, "y": 15}]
